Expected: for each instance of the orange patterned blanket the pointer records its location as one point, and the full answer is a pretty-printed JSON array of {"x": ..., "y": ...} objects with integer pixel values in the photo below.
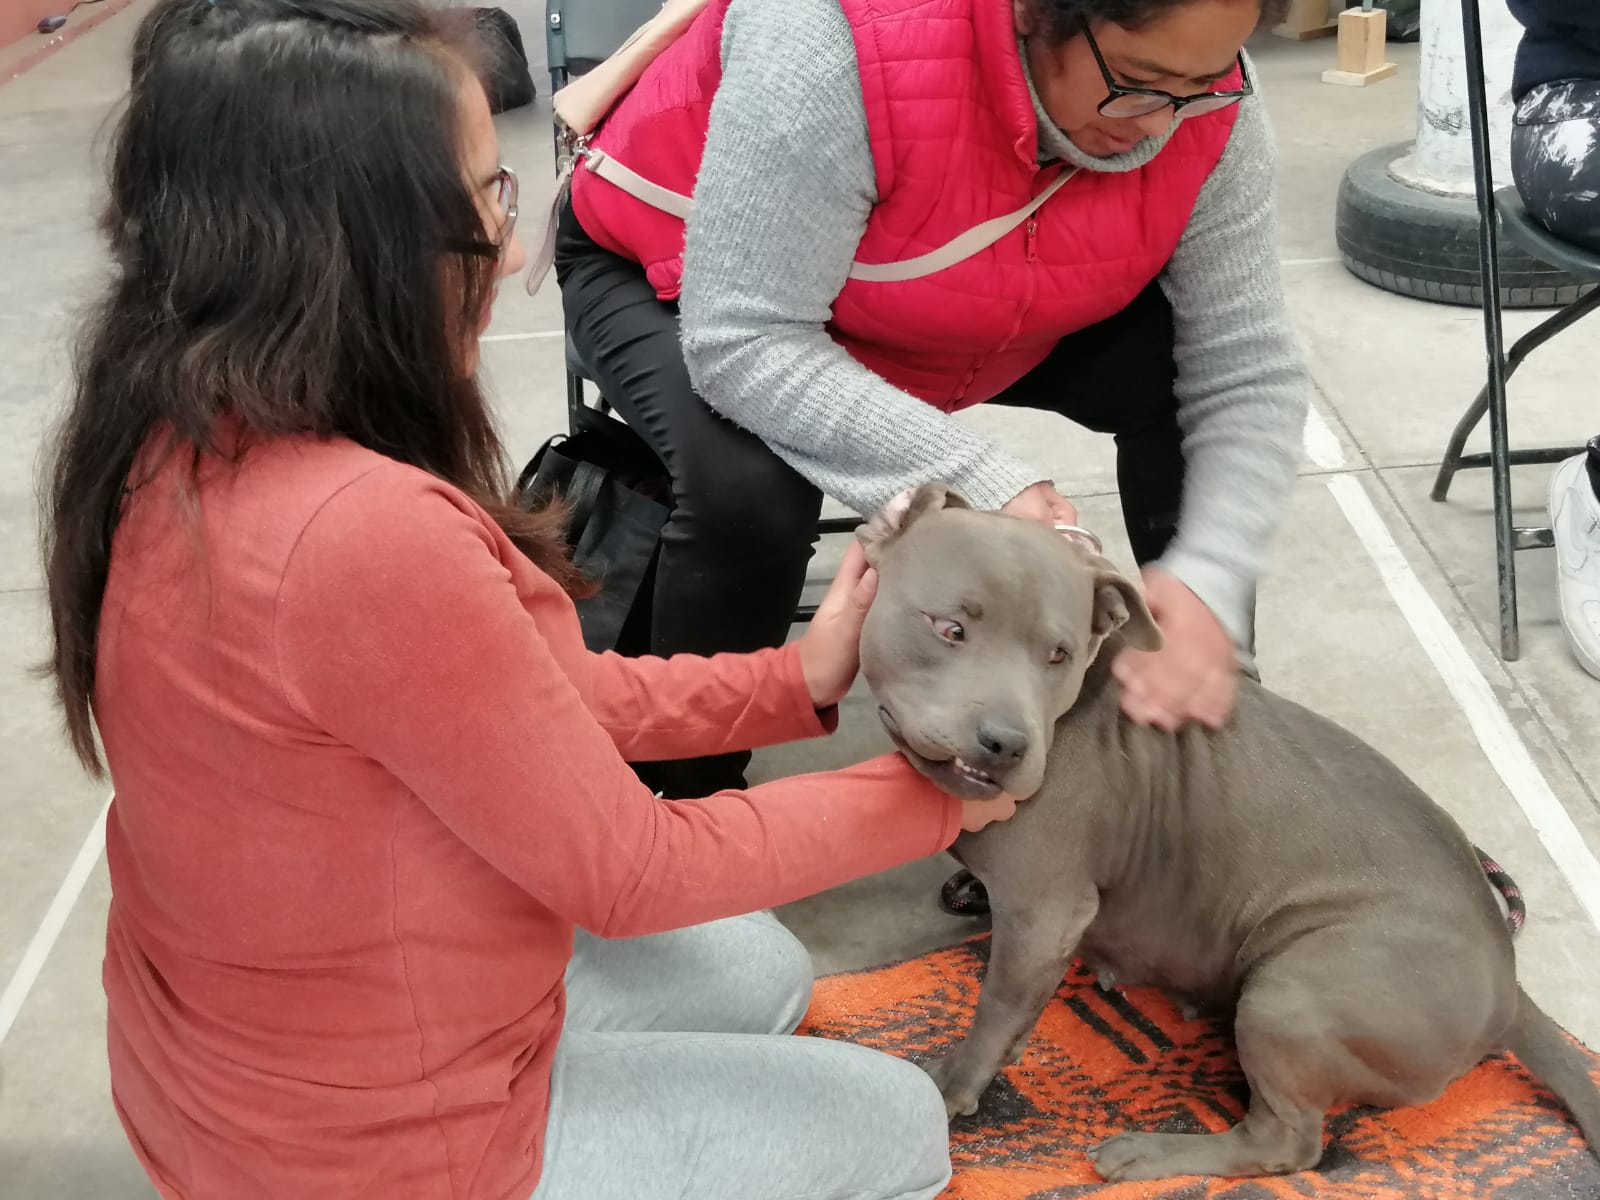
[{"x": 1103, "y": 1062}]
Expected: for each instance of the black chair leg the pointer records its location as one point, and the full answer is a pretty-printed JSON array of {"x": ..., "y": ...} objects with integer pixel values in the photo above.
[
  {"x": 1454, "y": 460},
  {"x": 1493, "y": 333}
]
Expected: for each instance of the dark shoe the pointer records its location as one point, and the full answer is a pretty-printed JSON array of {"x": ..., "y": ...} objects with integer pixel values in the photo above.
[{"x": 964, "y": 895}]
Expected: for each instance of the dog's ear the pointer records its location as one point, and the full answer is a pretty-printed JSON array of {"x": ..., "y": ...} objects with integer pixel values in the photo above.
[
  {"x": 1119, "y": 604},
  {"x": 895, "y": 517}
]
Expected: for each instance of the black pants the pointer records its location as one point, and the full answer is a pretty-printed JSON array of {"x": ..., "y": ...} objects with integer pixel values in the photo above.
[
  {"x": 734, "y": 555},
  {"x": 1559, "y": 191}
]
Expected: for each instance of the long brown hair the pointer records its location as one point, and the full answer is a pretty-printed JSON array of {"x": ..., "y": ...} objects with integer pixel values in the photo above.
[{"x": 286, "y": 206}]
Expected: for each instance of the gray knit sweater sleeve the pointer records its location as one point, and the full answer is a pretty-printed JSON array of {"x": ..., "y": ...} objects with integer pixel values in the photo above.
[
  {"x": 1243, "y": 387},
  {"x": 782, "y": 200},
  {"x": 780, "y": 205}
]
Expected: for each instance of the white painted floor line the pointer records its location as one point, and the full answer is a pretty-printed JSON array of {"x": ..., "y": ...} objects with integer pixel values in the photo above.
[
  {"x": 1488, "y": 718},
  {"x": 1308, "y": 262},
  {"x": 1321, "y": 443},
  {"x": 55, "y": 919},
  {"x": 541, "y": 335}
]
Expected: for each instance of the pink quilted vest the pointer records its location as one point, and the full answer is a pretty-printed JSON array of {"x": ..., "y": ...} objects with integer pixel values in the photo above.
[{"x": 954, "y": 143}]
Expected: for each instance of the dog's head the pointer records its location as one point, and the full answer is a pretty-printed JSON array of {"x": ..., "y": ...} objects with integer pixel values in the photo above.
[{"x": 981, "y": 633}]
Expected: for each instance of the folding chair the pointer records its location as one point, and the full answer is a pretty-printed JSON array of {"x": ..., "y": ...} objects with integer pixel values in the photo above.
[
  {"x": 579, "y": 34},
  {"x": 1499, "y": 210}
]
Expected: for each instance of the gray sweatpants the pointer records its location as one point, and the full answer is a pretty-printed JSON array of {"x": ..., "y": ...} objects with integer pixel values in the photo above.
[{"x": 675, "y": 1078}]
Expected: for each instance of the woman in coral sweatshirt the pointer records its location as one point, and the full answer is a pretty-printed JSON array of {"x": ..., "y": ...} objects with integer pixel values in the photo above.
[{"x": 373, "y": 819}]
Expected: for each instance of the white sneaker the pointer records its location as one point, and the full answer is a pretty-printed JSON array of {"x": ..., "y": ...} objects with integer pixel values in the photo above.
[{"x": 1575, "y": 518}]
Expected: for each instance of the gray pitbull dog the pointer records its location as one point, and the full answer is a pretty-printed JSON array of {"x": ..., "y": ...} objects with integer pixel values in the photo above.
[{"x": 1280, "y": 869}]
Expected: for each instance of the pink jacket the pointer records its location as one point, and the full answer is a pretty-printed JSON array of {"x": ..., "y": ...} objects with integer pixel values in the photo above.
[{"x": 955, "y": 143}]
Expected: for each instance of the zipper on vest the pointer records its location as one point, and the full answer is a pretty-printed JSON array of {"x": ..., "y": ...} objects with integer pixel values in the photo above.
[{"x": 1032, "y": 233}]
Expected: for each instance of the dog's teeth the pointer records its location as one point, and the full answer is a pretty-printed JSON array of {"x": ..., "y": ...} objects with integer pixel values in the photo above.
[{"x": 969, "y": 772}]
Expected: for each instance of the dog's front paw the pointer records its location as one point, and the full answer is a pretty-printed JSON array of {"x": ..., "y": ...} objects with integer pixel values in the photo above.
[
  {"x": 961, "y": 1093},
  {"x": 1134, "y": 1156}
]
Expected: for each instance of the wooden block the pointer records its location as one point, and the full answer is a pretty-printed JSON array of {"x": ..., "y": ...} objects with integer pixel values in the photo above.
[
  {"x": 1305, "y": 19},
  {"x": 1359, "y": 78},
  {"x": 1361, "y": 39},
  {"x": 1362, "y": 36}
]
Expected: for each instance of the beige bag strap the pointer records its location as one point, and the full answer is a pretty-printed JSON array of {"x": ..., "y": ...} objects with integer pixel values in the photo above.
[
  {"x": 584, "y": 102},
  {"x": 962, "y": 246},
  {"x": 636, "y": 185},
  {"x": 613, "y": 172},
  {"x": 545, "y": 256}
]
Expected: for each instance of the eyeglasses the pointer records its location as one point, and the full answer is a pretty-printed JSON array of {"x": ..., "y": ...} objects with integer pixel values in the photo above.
[
  {"x": 506, "y": 200},
  {"x": 1123, "y": 102}
]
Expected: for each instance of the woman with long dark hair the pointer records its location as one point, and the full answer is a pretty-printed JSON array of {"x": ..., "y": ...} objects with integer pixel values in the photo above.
[{"x": 373, "y": 817}]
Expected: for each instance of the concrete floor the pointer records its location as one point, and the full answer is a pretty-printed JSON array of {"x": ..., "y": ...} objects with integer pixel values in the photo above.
[{"x": 1378, "y": 611}]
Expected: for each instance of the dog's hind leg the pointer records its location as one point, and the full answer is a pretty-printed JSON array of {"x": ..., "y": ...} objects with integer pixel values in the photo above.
[
  {"x": 1311, "y": 1035},
  {"x": 1028, "y": 954},
  {"x": 1264, "y": 1143},
  {"x": 1282, "y": 1053}
]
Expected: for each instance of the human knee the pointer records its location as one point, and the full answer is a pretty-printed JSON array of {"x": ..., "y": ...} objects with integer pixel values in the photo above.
[
  {"x": 765, "y": 976},
  {"x": 927, "y": 1131},
  {"x": 905, "y": 1114},
  {"x": 783, "y": 994}
]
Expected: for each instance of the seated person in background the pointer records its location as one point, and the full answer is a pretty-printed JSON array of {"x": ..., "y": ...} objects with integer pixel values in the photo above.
[{"x": 1555, "y": 160}]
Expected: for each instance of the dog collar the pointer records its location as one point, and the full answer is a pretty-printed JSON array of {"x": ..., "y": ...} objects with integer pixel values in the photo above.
[{"x": 1079, "y": 533}]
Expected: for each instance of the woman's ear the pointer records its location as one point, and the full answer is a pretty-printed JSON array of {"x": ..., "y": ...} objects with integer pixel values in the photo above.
[
  {"x": 895, "y": 517},
  {"x": 1023, "y": 16}
]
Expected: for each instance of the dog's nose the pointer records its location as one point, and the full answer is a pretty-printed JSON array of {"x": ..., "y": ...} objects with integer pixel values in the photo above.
[{"x": 1002, "y": 742}]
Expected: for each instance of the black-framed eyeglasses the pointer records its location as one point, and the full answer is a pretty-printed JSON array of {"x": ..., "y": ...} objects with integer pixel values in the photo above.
[
  {"x": 1123, "y": 102},
  {"x": 506, "y": 201}
]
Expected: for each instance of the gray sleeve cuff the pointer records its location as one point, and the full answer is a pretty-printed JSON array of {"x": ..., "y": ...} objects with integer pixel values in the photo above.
[{"x": 1230, "y": 597}]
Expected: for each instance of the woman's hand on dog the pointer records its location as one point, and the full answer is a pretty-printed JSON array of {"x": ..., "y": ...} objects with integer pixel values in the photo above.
[
  {"x": 1194, "y": 677},
  {"x": 830, "y": 649},
  {"x": 975, "y": 814},
  {"x": 1041, "y": 502}
]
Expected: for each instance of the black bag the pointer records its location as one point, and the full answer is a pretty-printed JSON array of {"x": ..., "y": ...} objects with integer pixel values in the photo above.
[
  {"x": 1404, "y": 23},
  {"x": 504, "y": 71},
  {"x": 618, "y": 497}
]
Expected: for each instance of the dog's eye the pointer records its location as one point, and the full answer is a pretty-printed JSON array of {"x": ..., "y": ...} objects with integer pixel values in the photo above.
[
  {"x": 1058, "y": 656},
  {"x": 950, "y": 631}
]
